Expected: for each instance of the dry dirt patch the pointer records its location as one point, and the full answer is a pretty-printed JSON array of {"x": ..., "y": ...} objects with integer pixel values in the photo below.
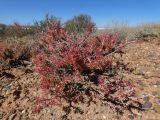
[{"x": 18, "y": 89}]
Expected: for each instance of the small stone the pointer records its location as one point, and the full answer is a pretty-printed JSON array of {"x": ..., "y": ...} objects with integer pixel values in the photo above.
[
  {"x": 104, "y": 117},
  {"x": 135, "y": 112},
  {"x": 23, "y": 111},
  {"x": 22, "y": 95},
  {"x": 12, "y": 116},
  {"x": 146, "y": 95},
  {"x": 147, "y": 105},
  {"x": 8, "y": 92},
  {"x": 131, "y": 117},
  {"x": 1, "y": 114},
  {"x": 27, "y": 63},
  {"x": 155, "y": 86},
  {"x": 1, "y": 97},
  {"x": 146, "y": 99}
]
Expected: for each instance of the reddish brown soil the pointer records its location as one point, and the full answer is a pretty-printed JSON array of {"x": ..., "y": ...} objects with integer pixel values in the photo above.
[{"x": 17, "y": 91}]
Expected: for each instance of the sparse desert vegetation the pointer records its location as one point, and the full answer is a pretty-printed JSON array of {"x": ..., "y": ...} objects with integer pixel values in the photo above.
[{"x": 52, "y": 70}]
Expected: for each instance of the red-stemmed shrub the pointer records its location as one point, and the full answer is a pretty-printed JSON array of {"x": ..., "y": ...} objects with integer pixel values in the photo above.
[{"x": 74, "y": 68}]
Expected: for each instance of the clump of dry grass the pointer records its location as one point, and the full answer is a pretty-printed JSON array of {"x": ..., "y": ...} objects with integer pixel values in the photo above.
[
  {"x": 14, "y": 51},
  {"x": 127, "y": 32},
  {"x": 147, "y": 30}
]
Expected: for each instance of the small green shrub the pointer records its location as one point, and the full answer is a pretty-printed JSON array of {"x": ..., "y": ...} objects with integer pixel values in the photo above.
[
  {"x": 78, "y": 24},
  {"x": 2, "y": 28},
  {"x": 46, "y": 23}
]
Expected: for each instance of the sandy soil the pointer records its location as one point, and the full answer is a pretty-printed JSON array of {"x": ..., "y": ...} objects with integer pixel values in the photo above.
[{"x": 18, "y": 87}]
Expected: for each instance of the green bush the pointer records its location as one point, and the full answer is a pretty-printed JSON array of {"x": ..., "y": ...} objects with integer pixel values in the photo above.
[
  {"x": 2, "y": 28},
  {"x": 78, "y": 24},
  {"x": 46, "y": 23}
]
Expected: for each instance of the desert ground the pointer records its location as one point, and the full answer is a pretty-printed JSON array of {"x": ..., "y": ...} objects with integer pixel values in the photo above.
[{"x": 19, "y": 86}]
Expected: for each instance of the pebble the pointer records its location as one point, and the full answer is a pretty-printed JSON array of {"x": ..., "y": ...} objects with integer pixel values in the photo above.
[
  {"x": 23, "y": 111},
  {"x": 104, "y": 117},
  {"x": 1, "y": 114},
  {"x": 135, "y": 112},
  {"x": 131, "y": 117},
  {"x": 146, "y": 99},
  {"x": 1, "y": 97},
  {"x": 12, "y": 116},
  {"x": 155, "y": 86},
  {"x": 147, "y": 105},
  {"x": 8, "y": 92}
]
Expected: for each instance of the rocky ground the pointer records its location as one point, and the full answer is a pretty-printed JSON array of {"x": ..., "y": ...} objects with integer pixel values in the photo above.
[{"x": 18, "y": 87}]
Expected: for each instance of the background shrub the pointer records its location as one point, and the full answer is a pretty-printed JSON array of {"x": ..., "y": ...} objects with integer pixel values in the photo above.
[
  {"x": 146, "y": 30},
  {"x": 46, "y": 23},
  {"x": 121, "y": 28},
  {"x": 2, "y": 28},
  {"x": 17, "y": 31},
  {"x": 78, "y": 23}
]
